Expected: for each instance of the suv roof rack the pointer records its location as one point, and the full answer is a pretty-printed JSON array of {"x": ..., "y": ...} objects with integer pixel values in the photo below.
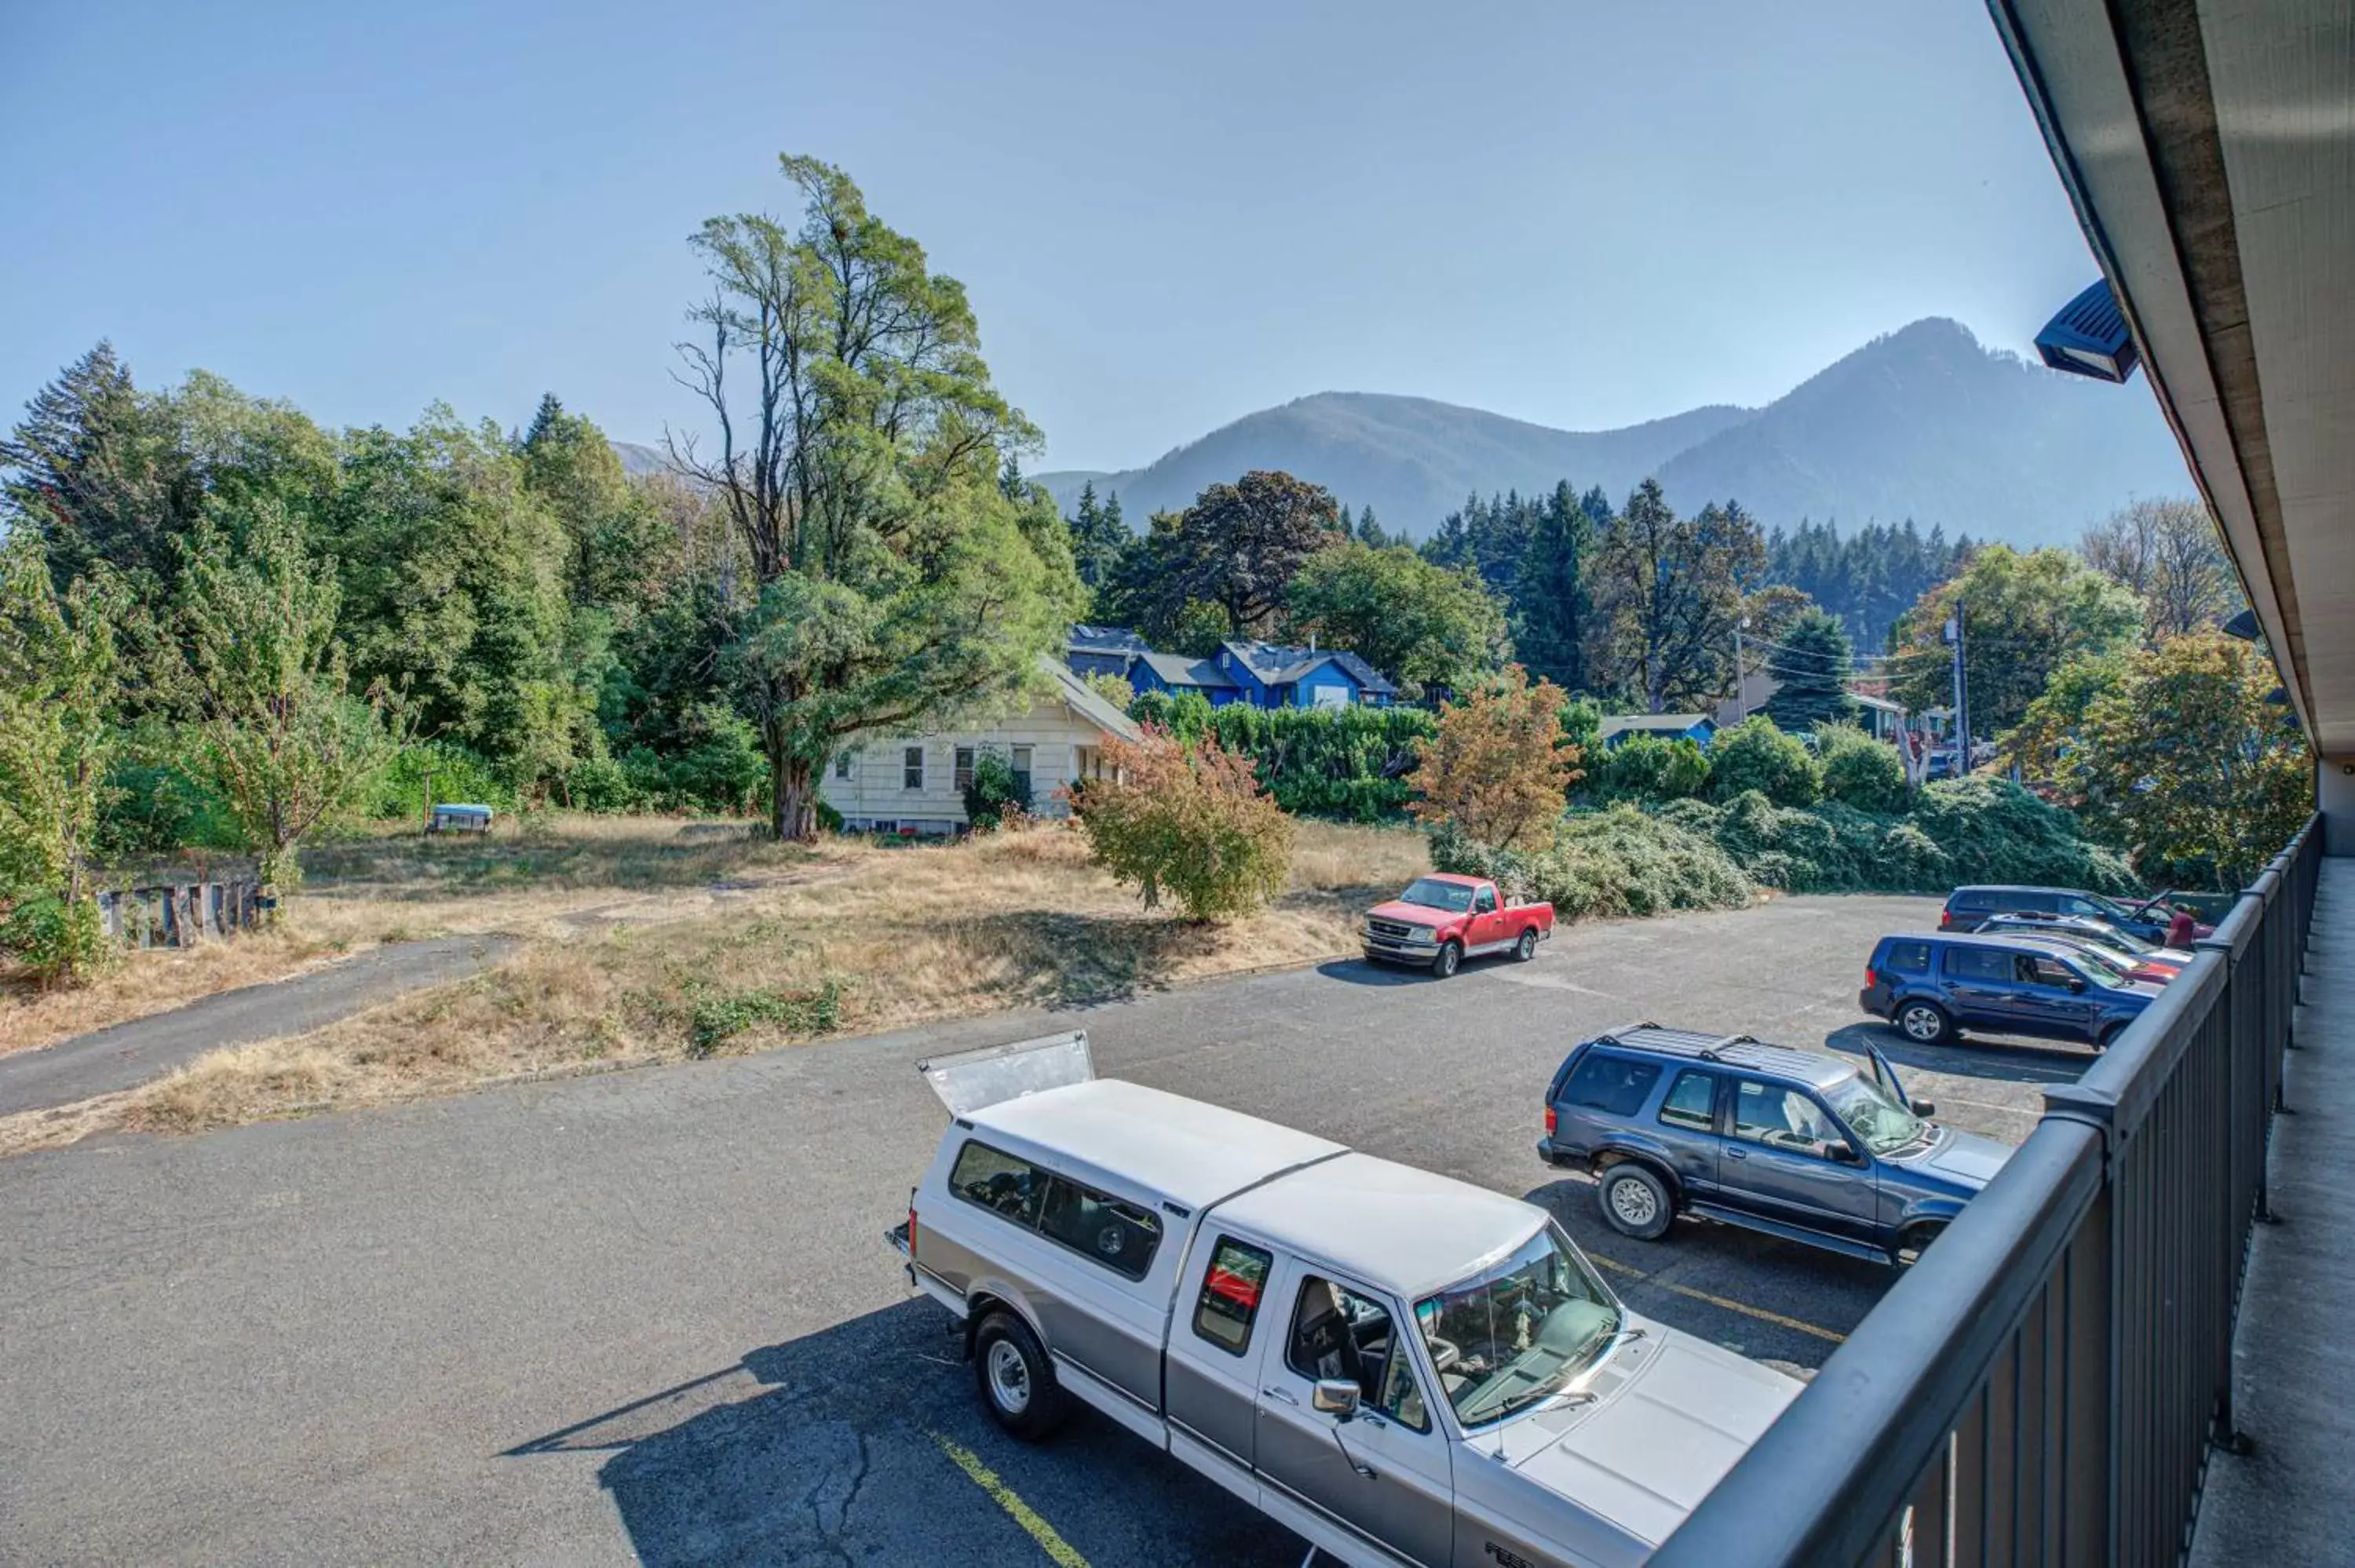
[{"x": 1730, "y": 1050}]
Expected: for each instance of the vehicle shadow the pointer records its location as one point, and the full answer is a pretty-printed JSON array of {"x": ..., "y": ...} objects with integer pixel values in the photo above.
[
  {"x": 2008, "y": 1061},
  {"x": 1365, "y": 971},
  {"x": 865, "y": 1442}
]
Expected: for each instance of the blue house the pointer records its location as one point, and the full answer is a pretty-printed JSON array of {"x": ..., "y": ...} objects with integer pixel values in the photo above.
[
  {"x": 1699, "y": 728},
  {"x": 1103, "y": 651},
  {"x": 1271, "y": 676},
  {"x": 1174, "y": 672}
]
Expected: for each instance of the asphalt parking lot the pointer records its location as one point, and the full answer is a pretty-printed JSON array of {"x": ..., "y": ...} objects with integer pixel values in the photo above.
[{"x": 649, "y": 1316}]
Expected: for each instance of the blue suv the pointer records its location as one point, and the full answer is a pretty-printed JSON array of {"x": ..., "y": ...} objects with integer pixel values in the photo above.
[
  {"x": 1933, "y": 985},
  {"x": 1799, "y": 1144}
]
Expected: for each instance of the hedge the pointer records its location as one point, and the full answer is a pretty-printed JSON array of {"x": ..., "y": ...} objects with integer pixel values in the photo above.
[{"x": 1606, "y": 863}]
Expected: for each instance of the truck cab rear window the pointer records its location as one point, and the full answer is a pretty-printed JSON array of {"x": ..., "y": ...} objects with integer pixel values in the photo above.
[
  {"x": 1231, "y": 1289},
  {"x": 1121, "y": 1236}
]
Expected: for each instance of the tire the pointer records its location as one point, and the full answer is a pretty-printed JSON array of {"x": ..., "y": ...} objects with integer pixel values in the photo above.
[
  {"x": 2109, "y": 1036},
  {"x": 1636, "y": 1202},
  {"x": 1916, "y": 1241},
  {"x": 1527, "y": 948},
  {"x": 1449, "y": 959},
  {"x": 1923, "y": 1022},
  {"x": 1017, "y": 1380}
]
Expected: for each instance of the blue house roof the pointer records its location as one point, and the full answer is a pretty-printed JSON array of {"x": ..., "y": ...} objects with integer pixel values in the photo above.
[
  {"x": 1276, "y": 665},
  {"x": 1177, "y": 670},
  {"x": 1106, "y": 639}
]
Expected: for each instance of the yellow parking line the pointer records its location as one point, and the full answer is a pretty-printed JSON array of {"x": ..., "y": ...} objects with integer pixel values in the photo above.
[
  {"x": 1057, "y": 1549},
  {"x": 1795, "y": 1325}
]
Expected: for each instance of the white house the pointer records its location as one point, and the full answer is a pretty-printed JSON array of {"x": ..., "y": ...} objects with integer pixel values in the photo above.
[{"x": 915, "y": 784}]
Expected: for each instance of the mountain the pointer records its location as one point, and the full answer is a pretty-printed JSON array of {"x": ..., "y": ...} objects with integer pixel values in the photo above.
[
  {"x": 639, "y": 459},
  {"x": 1924, "y": 423}
]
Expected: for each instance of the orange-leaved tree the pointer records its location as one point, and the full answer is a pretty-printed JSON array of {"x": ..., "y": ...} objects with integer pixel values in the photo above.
[
  {"x": 1188, "y": 821},
  {"x": 1499, "y": 768}
]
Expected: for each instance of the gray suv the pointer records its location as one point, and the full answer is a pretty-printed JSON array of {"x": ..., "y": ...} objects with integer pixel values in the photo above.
[{"x": 1799, "y": 1144}]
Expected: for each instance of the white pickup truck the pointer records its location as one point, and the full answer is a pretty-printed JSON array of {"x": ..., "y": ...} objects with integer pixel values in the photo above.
[{"x": 1400, "y": 1367}]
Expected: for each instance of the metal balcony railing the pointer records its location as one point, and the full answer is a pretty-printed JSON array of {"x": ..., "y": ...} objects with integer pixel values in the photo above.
[{"x": 2046, "y": 1385}]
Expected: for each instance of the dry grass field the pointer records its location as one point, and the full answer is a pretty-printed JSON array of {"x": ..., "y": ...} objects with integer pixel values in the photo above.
[{"x": 650, "y": 939}]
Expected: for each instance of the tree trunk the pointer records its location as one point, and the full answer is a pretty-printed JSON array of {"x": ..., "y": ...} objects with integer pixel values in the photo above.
[{"x": 793, "y": 789}]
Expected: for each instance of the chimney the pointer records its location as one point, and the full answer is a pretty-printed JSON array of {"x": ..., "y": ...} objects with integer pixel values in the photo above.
[{"x": 1312, "y": 642}]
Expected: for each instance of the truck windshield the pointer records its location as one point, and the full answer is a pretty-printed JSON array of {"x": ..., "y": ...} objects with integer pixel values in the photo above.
[
  {"x": 1433, "y": 894},
  {"x": 1516, "y": 1335},
  {"x": 1885, "y": 1126}
]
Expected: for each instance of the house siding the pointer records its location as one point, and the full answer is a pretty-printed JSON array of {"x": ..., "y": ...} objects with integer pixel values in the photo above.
[{"x": 875, "y": 793}]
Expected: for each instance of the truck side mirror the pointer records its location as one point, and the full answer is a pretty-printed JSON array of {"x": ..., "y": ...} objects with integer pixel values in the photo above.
[{"x": 1336, "y": 1398}]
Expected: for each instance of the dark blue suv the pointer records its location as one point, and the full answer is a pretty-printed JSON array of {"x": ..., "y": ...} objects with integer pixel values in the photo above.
[
  {"x": 1933, "y": 985},
  {"x": 1799, "y": 1144}
]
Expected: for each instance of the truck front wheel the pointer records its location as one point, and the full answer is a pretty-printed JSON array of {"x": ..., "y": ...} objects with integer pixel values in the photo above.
[
  {"x": 1017, "y": 1381},
  {"x": 1449, "y": 958}
]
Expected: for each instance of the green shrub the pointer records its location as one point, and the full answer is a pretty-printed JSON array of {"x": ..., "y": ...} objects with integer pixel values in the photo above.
[
  {"x": 1994, "y": 830},
  {"x": 1345, "y": 764},
  {"x": 1185, "y": 715},
  {"x": 1606, "y": 863},
  {"x": 153, "y": 809},
  {"x": 1756, "y": 755},
  {"x": 53, "y": 938},
  {"x": 1649, "y": 767},
  {"x": 994, "y": 792},
  {"x": 600, "y": 784},
  {"x": 1861, "y": 771},
  {"x": 1191, "y": 821},
  {"x": 459, "y": 775},
  {"x": 714, "y": 1020}
]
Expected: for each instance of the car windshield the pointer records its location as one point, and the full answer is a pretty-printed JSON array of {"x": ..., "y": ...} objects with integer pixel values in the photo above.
[
  {"x": 1884, "y": 1126},
  {"x": 1434, "y": 894},
  {"x": 1516, "y": 1335},
  {"x": 2100, "y": 967}
]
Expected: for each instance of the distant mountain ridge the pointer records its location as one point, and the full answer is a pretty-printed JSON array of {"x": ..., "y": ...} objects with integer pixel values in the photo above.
[{"x": 1924, "y": 423}]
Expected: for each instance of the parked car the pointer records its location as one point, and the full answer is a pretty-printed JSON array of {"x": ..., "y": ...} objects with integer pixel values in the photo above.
[
  {"x": 1967, "y": 909},
  {"x": 1799, "y": 1144},
  {"x": 1401, "y": 1368},
  {"x": 2140, "y": 960},
  {"x": 1442, "y": 919},
  {"x": 1935, "y": 985}
]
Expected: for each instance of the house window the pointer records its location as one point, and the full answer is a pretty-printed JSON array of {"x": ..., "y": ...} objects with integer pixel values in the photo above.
[
  {"x": 912, "y": 769},
  {"x": 842, "y": 766},
  {"x": 964, "y": 769},
  {"x": 1022, "y": 769}
]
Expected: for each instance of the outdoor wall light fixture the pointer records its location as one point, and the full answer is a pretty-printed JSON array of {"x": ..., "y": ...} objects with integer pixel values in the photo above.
[{"x": 2089, "y": 338}]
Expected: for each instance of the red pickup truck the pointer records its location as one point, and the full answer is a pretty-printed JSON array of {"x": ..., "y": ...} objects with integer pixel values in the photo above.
[{"x": 1443, "y": 920}]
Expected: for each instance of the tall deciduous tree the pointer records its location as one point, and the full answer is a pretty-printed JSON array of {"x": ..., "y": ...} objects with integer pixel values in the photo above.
[
  {"x": 2177, "y": 757},
  {"x": 1811, "y": 658},
  {"x": 262, "y": 684},
  {"x": 1667, "y": 597},
  {"x": 1498, "y": 769},
  {"x": 858, "y": 439},
  {"x": 1419, "y": 624},
  {"x": 58, "y": 685},
  {"x": 2025, "y": 616},
  {"x": 1239, "y": 546},
  {"x": 2169, "y": 553}
]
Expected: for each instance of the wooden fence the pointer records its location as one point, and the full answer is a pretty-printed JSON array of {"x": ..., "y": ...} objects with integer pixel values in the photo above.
[{"x": 180, "y": 915}]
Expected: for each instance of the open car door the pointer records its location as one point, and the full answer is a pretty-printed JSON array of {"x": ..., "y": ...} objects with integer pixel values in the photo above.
[
  {"x": 1886, "y": 1076},
  {"x": 972, "y": 1080}
]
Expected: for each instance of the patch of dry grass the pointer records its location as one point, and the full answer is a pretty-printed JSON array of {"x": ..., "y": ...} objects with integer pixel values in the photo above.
[{"x": 772, "y": 947}]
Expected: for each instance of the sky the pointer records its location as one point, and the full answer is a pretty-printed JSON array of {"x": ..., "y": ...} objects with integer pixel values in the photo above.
[{"x": 1583, "y": 213}]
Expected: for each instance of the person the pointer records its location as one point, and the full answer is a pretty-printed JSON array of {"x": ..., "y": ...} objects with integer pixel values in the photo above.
[{"x": 2181, "y": 929}]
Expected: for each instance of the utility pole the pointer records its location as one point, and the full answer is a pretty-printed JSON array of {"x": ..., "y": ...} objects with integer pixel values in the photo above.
[
  {"x": 1955, "y": 634},
  {"x": 1741, "y": 684}
]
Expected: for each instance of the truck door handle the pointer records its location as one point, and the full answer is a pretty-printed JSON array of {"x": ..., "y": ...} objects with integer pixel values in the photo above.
[
  {"x": 1737, "y": 1154},
  {"x": 1283, "y": 1394}
]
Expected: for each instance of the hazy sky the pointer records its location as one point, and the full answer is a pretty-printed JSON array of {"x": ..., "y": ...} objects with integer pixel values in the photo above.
[{"x": 1579, "y": 213}]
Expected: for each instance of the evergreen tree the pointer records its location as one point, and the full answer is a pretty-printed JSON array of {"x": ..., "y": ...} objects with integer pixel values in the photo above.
[
  {"x": 1550, "y": 604},
  {"x": 1812, "y": 660},
  {"x": 1099, "y": 538},
  {"x": 98, "y": 475}
]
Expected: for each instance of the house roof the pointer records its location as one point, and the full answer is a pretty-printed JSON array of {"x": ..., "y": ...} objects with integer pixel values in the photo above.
[
  {"x": 1277, "y": 665},
  {"x": 1081, "y": 700},
  {"x": 1106, "y": 640},
  {"x": 1864, "y": 699},
  {"x": 1177, "y": 670},
  {"x": 1671, "y": 724}
]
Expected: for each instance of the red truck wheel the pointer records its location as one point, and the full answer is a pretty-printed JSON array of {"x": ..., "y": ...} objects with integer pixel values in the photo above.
[
  {"x": 1527, "y": 948},
  {"x": 1451, "y": 954}
]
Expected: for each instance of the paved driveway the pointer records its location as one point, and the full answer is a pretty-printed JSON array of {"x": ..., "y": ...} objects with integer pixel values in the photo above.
[{"x": 650, "y": 1314}]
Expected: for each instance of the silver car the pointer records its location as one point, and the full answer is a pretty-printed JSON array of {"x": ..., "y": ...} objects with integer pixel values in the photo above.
[{"x": 1400, "y": 1367}]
